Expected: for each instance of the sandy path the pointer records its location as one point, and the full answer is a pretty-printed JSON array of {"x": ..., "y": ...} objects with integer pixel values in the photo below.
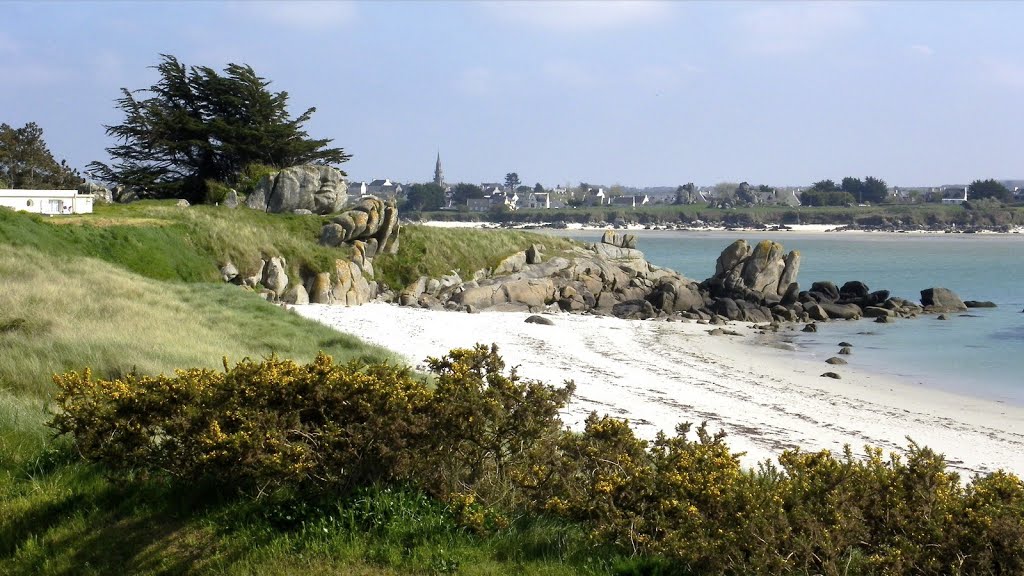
[{"x": 659, "y": 374}]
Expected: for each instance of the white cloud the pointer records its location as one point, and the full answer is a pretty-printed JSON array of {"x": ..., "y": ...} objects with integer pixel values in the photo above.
[
  {"x": 582, "y": 15},
  {"x": 790, "y": 28},
  {"x": 922, "y": 50},
  {"x": 303, "y": 15}
]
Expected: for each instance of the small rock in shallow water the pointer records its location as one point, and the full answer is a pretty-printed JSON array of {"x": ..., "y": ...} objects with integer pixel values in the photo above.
[
  {"x": 835, "y": 360},
  {"x": 831, "y": 375},
  {"x": 845, "y": 350},
  {"x": 539, "y": 320},
  {"x": 979, "y": 304},
  {"x": 812, "y": 327},
  {"x": 845, "y": 344},
  {"x": 941, "y": 317}
]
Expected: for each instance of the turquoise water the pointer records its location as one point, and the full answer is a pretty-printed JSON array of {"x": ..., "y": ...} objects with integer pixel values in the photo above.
[{"x": 979, "y": 353}]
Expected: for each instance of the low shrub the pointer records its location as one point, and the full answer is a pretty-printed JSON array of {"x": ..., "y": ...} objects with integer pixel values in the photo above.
[{"x": 489, "y": 447}]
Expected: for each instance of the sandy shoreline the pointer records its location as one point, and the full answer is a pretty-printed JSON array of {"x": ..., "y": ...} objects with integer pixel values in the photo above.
[
  {"x": 659, "y": 374},
  {"x": 789, "y": 228}
]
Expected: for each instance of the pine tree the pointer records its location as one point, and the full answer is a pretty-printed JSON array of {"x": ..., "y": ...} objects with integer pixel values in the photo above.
[
  {"x": 196, "y": 125},
  {"x": 26, "y": 162}
]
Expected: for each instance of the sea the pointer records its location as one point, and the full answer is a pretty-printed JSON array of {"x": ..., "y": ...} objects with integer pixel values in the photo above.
[{"x": 978, "y": 353}]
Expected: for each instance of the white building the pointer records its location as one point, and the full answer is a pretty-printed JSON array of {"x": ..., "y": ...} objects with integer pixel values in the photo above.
[
  {"x": 47, "y": 202},
  {"x": 384, "y": 188},
  {"x": 953, "y": 197}
]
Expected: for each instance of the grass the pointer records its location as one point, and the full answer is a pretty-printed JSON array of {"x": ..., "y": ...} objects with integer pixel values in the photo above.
[
  {"x": 135, "y": 288},
  {"x": 434, "y": 252},
  {"x": 60, "y": 313},
  {"x": 159, "y": 240}
]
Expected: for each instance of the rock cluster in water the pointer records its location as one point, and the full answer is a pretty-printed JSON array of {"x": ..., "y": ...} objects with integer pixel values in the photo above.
[{"x": 751, "y": 283}]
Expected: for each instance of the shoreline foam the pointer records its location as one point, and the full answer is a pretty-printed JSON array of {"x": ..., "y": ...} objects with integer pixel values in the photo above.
[{"x": 659, "y": 374}]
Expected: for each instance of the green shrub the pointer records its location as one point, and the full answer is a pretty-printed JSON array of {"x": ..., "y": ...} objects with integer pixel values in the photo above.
[
  {"x": 216, "y": 192},
  {"x": 490, "y": 446},
  {"x": 251, "y": 175}
]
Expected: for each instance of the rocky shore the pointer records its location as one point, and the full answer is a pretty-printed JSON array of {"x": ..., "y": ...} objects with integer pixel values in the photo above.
[{"x": 751, "y": 283}]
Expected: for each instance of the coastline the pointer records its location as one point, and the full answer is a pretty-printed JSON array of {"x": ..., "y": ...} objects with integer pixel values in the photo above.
[
  {"x": 658, "y": 374},
  {"x": 548, "y": 227}
]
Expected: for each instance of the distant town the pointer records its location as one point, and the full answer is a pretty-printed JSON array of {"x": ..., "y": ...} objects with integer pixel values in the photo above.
[{"x": 512, "y": 194}]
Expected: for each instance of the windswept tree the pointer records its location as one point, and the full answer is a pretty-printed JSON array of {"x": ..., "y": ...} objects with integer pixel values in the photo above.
[
  {"x": 428, "y": 196},
  {"x": 989, "y": 189},
  {"x": 26, "y": 162},
  {"x": 874, "y": 190},
  {"x": 462, "y": 192},
  {"x": 824, "y": 186},
  {"x": 511, "y": 181},
  {"x": 195, "y": 125}
]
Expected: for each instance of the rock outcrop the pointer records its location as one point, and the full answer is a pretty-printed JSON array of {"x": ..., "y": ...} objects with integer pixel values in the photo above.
[
  {"x": 751, "y": 283},
  {"x": 372, "y": 221},
  {"x": 319, "y": 189},
  {"x": 941, "y": 300}
]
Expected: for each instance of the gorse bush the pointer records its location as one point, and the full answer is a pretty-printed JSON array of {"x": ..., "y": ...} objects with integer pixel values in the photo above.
[
  {"x": 278, "y": 425},
  {"x": 489, "y": 446}
]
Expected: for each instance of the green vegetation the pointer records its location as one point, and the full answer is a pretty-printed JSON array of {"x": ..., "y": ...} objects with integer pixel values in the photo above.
[
  {"x": 936, "y": 216},
  {"x": 483, "y": 449},
  {"x": 133, "y": 290},
  {"x": 248, "y": 463},
  {"x": 198, "y": 126},
  {"x": 437, "y": 251},
  {"x": 26, "y": 162}
]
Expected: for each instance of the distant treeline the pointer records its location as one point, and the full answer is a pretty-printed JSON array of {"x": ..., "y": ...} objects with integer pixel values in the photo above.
[{"x": 982, "y": 214}]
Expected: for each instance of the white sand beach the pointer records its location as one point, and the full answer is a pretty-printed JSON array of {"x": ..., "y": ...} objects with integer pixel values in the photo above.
[{"x": 658, "y": 374}]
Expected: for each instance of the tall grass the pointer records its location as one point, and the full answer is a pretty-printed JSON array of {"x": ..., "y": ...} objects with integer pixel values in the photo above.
[
  {"x": 135, "y": 288},
  {"x": 430, "y": 251},
  {"x": 59, "y": 314},
  {"x": 157, "y": 239}
]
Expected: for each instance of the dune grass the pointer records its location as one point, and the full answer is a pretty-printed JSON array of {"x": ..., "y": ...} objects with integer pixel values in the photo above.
[
  {"x": 135, "y": 288},
  {"x": 59, "y": 314},
  {"x": 430, "y": 251},
  {"x": 159, "y": 240}
]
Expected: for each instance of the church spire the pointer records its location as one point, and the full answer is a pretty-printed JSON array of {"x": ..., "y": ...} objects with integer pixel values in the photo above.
[{"x": 438, "y": 173}]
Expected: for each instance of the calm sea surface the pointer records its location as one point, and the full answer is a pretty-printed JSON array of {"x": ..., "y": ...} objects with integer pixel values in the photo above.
[{"x": 979, "y": 353}]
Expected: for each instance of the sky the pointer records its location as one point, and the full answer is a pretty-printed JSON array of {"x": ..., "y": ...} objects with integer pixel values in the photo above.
[{"x": 635, "y": 93}]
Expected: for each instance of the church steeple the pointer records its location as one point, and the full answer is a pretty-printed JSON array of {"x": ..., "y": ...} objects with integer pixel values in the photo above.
[{"x": 438, "y": 173}]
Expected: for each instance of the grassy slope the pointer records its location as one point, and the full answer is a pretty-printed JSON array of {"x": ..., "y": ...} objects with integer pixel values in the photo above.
[{"x": 125, "y": 289}]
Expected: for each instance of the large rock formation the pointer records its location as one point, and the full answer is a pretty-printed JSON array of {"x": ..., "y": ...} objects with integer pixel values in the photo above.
[
  {"x": 319, "y": 189},
  {"x": 941, "y": 300},
  {"x": 604, "y": 278},
  {"x": 764, "y": 270},
  {"x": 372, "y": 221},
  {"x": 755, "y": 284}
]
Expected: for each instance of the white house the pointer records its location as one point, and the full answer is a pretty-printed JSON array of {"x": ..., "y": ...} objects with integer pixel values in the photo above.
[
  {"x": 47, "y": 202},
  {"x": 538, "y": 200},
  {"x": 631, "y": 201},
  {"x": 384, "y": 188},
  {"x": 356, "y": 190},
  {"x": 952, "y": 196}
]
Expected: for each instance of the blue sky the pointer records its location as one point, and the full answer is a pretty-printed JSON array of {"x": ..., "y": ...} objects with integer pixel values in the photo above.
[{"x": 638, "y": 93}]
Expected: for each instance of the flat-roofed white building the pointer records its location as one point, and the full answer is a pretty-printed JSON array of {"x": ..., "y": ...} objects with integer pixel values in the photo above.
[{"x": 48, "y": 202}]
